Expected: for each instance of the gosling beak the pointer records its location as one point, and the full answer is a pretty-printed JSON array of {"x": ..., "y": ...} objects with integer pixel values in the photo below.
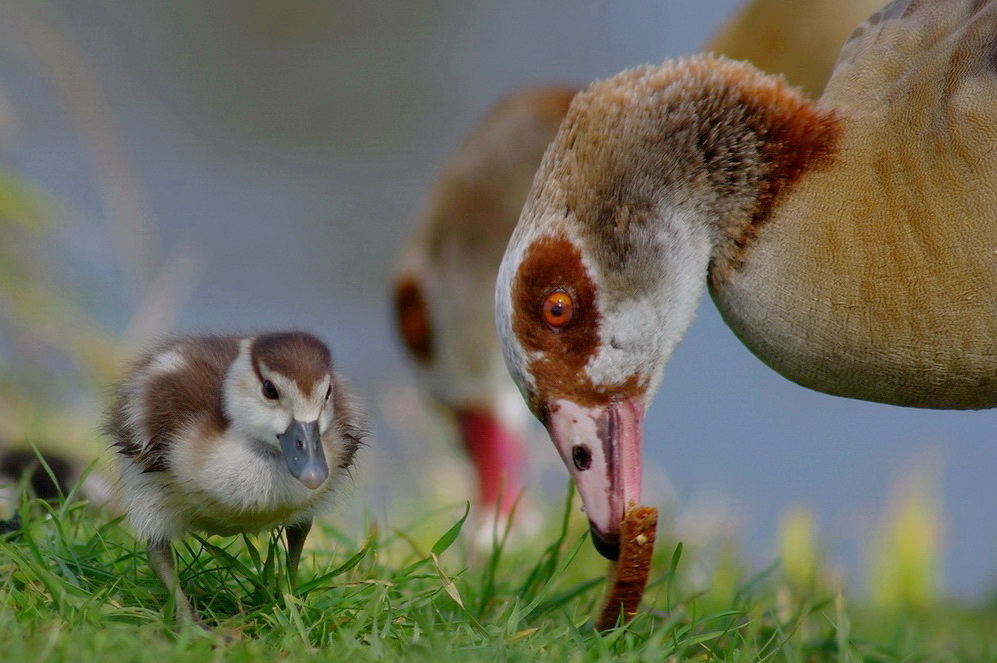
[
  {"x": 302, "y": 447},
  {"x": 601, "y": 447}
]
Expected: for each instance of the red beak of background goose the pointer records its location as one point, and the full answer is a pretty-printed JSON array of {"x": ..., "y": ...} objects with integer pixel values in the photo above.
[
  {"x": 601, "y": 446},
  {"x": 497, "y": 455}
]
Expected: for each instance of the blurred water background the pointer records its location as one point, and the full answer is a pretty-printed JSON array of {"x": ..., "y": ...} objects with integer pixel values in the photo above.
[{"x": 250, "y": 164}]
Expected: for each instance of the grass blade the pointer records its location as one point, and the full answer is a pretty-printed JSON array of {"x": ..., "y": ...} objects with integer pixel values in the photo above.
[{"x": 445, "y": 541}]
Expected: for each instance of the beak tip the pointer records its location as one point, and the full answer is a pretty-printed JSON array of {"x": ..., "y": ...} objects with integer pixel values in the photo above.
[
  {"x": 311, "y": 481},
  {"x": 607, "y": 545}
]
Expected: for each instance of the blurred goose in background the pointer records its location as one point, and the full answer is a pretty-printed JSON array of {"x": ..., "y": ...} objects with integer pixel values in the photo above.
[
  {"x": 445, "y": 285},
  {"x": 442, "y": 292},
  {"x": 227, "y": 434},
  {"x": 799, "y": 39},
  {"x": 850, "y": 243},
  {"x": 55, "y": 481},
  {"x": 49, "y": 477}
]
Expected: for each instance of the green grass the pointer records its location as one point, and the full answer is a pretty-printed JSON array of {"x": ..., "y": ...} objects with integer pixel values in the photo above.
[{"x": 76, "y": 586}]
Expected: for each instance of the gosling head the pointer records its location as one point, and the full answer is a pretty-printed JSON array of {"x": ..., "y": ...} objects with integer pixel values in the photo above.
[{"x": 279, "y": 392}]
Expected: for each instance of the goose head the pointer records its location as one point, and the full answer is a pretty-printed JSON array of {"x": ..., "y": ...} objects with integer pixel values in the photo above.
[
  {"x": 587, "y": 355},
  {"x": 605, "y": 269}
]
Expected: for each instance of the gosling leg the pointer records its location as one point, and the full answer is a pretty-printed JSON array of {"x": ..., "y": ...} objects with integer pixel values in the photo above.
[
  {"x": 296, "y": 535},
  {"x": 161, "y": 561}
]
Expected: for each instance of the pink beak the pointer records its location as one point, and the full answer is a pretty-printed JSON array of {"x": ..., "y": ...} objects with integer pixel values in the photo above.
[
  {"x": 497, "y": 454},
  {"x": 601, "y": 447}
]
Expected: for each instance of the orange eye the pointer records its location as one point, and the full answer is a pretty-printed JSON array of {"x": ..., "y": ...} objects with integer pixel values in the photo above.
[{"x": 557, "y": 309}]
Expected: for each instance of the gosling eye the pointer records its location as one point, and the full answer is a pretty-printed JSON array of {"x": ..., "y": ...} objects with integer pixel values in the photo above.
[
  {"x": 269, "y": 391},
  {"x": 557, "y": 309}
]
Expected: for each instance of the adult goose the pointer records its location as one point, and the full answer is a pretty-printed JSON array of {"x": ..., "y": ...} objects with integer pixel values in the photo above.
[
  {"x": 850, "y": 243},
  {"x": 443, "y": 289}
]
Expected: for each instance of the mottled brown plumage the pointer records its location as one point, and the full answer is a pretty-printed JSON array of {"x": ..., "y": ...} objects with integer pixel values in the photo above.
[{"x": 172, "y": 399}]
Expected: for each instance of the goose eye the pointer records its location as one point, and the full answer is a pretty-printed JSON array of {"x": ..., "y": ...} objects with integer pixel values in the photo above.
[
  {"x": 557, "y": 309},
  {"x": 269, "y": 391},
  {"x": 413, "y": 320}
]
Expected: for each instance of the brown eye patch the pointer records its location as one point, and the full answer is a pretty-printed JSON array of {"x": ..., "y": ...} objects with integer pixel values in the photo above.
[
  {"x": 412, "y": 318},
  {"x": 552, "y": 267}
]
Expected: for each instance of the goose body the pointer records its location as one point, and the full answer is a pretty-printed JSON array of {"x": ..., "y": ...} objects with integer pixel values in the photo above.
[
  {"x": 799, "y": 39},
  {"x": 850, "y": 243},
  {"x": 229, "y": 434}
]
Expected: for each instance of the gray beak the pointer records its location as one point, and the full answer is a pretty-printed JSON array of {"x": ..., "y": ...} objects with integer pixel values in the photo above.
[{"x": 302, "y": 447}]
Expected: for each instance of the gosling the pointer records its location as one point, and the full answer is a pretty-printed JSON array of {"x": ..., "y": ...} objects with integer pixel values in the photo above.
[{"x": 231, "y": 434}]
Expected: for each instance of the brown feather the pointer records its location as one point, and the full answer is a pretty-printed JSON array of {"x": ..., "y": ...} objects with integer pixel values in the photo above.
[
  {"x": 296, "y": 355},
  {"x": 173, "y": 400}
]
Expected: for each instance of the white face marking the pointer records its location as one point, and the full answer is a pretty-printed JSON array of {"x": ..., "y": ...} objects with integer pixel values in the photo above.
[
  {"x": 167, "y": 362},
  {"x": 256, "y": 417},
  {"x": 292, "y": 398},
  {"x": 639, "y": 333},
  {"x": 466, "y": 369},
  {"x": 516, "y": 357}
]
